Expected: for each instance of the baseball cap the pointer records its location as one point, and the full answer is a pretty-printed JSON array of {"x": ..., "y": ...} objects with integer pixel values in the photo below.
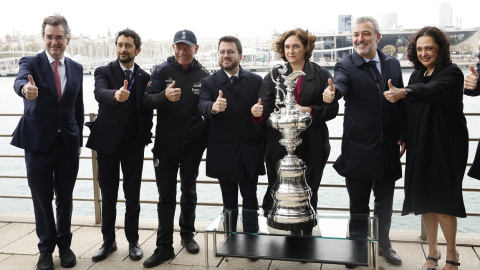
[{"x": 185, "y": 36}]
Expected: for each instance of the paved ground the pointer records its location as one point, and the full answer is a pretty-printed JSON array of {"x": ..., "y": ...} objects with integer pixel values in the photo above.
[{"x": 18, "y": 249}]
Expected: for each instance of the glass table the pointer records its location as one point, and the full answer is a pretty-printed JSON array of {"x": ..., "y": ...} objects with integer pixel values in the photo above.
[{"x": 335, "y": 239}]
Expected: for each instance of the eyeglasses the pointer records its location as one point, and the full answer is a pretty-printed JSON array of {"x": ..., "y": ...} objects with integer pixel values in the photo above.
[
  {"x": 229, "y": 52},
  {"x": 57, "y": 38}
]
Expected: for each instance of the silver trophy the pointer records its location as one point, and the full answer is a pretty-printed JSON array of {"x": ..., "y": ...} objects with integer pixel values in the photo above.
[{"x": 291, "y": 209}]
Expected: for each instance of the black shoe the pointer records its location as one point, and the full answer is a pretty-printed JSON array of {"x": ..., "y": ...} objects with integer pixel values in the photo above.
[
  {"x": 390, "y": 256},
  {"x": 159, "y": 255},
  {"x": 103, "y": 252},
  {"x": 67, "y": 257},
  {"x": 191, "y": 245},
  {"x": 45, "y": 261},
  {"x": 135, "y": 252}
]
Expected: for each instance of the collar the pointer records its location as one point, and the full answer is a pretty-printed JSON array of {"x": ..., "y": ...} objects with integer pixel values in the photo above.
[
  {"x": 376, "y": 58},
  {"x": 124, "y": 68},
  {"x": 51, "y": 59},
  {"x": 229, "y": 75}
]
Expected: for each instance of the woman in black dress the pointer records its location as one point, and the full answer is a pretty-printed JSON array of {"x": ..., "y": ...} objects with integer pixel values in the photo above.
[{"x": 437, "y": 141}]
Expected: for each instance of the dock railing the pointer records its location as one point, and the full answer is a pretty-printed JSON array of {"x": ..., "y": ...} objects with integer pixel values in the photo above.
[{"x": 96, "y": 188}]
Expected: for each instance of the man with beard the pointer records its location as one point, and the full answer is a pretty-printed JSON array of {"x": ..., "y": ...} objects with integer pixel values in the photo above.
[
  {"x": 235, "y": 142},
  {"x": 119, "y": 135},
  {"x": 179, "y": 142},
  {"x": 374, "y": 131}
]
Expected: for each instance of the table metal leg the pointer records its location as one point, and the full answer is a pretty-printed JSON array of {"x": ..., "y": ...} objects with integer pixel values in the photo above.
[{"x": 206, "y": 250}]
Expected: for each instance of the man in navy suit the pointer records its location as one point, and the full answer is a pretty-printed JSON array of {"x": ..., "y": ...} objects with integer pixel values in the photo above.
[
  {"x": 374, "y": 131},
  {"x": 235, "y": 142},
  {"x": 119, "y": 135},
  {"x": 50, "y": 131}
]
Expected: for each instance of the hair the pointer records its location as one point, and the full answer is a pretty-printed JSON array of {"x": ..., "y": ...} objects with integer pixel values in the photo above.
[
  {"x": 130, "y": 33},
  {"x": 55, "y": 20},
  {"x": 231, "y": 39},
  {"x": 365, "y": 19},
  {"x": 439, "y": 37},
  {"x": 307, "y": 39}
]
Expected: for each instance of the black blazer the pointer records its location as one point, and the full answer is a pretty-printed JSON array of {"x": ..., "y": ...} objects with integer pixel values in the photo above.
[
  {"x": 475, "y": 169},
  {"x": 315, "y": 146},
  {"x": 113, "y": 116},
  {"x": 45, "y": 115},
  {"x": 233, "y": 138},
  {"x": 372, "y": 125}
]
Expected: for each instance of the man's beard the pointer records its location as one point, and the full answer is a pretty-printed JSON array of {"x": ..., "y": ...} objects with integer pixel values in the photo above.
[{"x": 125, "y": 60}]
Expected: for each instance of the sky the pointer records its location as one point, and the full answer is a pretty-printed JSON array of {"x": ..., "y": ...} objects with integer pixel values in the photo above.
[{"x": 159, "y": 20}]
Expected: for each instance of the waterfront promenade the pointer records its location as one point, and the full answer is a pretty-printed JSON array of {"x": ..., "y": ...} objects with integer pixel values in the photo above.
[{"x": 18, "y": 248}]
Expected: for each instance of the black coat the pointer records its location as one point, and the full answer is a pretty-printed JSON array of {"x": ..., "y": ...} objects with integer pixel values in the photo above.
[
  {"x": 475, "y": 169},
  {"x": 315, "y": 147},
  {"x": 178, "y": 123},
  {"x": 437, "y": 143},
  {"x": 113, "y": 116},
  {"x": 233, "y": 137},
  {"x": 372, "y": 125}
]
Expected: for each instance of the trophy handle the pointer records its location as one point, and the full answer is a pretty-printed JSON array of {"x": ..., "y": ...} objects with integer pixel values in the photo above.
[{"x": 282, "y": 69}]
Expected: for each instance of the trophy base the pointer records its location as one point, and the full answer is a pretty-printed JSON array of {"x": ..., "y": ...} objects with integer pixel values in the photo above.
[{"x": 308, "y": 225}]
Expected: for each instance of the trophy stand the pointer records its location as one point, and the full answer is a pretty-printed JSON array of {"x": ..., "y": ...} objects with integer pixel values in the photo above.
[{"x": 291, "y": 195}]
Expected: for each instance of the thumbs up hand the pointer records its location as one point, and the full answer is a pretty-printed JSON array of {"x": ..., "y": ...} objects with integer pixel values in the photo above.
[
  {"x": 329, "y": 92},
  {"x": 122, "y": 94},
  {"x": 257, "y": 109},
  {"x": 220, "y": 104},
  {"x": 471, "y": 79},
  {"x": 394, "y": 94},
  {"x": 173, "y": 94},
  {"x": 30, "y": 90}
]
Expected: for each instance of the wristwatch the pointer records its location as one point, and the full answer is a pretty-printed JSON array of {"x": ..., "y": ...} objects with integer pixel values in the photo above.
[{"x": 408, "y": 92}]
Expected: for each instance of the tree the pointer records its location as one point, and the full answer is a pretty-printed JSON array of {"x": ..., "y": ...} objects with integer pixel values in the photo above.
[
  {"x": 389, "y": 50},
  {"x": 402, "y": 49}
]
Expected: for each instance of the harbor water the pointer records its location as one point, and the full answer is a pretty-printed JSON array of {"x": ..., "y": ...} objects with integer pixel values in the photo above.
[{"x": 328, "y": 197}]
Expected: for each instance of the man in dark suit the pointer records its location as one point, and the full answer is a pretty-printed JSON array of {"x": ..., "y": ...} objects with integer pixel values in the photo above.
[
  {"x": 119, "y": 135},
  {"x": 374, "y": 130},
  {"x": 50, "y": 131},
  {"x": 235, "y": 142},
  {"x": 472, "y": 88}
]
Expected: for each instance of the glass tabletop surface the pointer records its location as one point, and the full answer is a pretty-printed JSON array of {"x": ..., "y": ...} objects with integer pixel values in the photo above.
[{"x": 324, "y": 225}]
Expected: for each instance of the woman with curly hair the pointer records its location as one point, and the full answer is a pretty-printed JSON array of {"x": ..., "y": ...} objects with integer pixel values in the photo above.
[
  {"x": 437, "y": 141},
  {"x": 296, "y": 47}
]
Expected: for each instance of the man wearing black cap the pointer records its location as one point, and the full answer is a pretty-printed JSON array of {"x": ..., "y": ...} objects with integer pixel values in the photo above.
[{"x": 179, "y": 142}]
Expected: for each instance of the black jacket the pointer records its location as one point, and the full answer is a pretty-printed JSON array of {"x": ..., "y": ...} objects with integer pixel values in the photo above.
[
  {"x": 233, "y": 138},
  {"x": 475, "y": 169},
  {"x": 178, "y": 123},
  {"x": 315, "y": 146},
  {"x": 113, "y": 116},
  {"x": 437, "y": 143},
  {"x": 372, "y": 125}
]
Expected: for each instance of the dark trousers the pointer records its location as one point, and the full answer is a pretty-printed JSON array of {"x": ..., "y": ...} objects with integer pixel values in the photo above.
[
  {"x": 49, "y": 172},
  {"x": 129, "y": 155},
  {"x": 248, "y": 190},
  {"x": 166, "y": 166},
  {"x": 359, "y": 193}
]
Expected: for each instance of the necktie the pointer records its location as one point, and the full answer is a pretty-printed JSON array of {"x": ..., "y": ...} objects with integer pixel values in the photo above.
[
  {"x": 128, "y": 75},
  {"x": 233, "y": 78},
  {"x": 56, "y": 75},
  {"x": 376, "y": 73}
]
